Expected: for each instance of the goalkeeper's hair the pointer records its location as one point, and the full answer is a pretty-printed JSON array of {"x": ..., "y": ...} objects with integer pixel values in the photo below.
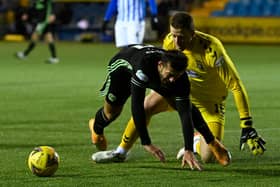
[{"x": 182, "y": 20}]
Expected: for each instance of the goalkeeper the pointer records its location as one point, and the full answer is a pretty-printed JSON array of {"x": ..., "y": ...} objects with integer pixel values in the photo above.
[{"x": 212, "y": 74}]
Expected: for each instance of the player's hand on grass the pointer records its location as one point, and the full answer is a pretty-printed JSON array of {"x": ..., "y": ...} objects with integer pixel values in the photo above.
[
  {"x": 250, "y": 136},
  {"x": 190, "y": 159},
  {"x": 155, "y": 151}
]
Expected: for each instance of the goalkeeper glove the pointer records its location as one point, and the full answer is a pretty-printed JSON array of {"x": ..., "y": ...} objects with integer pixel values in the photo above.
[{"x": 250, "y": 136}]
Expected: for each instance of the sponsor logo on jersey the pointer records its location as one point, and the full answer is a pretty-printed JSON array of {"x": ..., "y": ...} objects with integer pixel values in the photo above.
[
  {"x": 219, "y": 62},
  {"x": 193, "y": 74},
  {"x": 112, "y": 97},
  {"x": 141, "y": 76},
  {"x": 199, "y": 65}
]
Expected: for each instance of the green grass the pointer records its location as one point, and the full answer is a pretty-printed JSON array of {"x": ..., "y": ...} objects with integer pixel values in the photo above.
[{"x": 44, "y": 104}]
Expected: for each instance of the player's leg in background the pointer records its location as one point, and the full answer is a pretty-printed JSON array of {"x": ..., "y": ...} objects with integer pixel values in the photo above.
[
  {"x": 134, "y": 33},
  {"x": 121, "y": 34},
  {"x": 141, "y": 31},
  {"x": 31, "y": 45},
  {"x": 34, "y": 38},
  {"x": 154, "y": 104},
  {"x": 202, "y": 147},
  {"x": 215, "y": 120},
  {"x": 49, "y": 37}
]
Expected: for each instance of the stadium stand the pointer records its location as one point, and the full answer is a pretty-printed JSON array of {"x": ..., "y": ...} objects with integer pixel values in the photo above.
[
  {"x": 249, "y": 8},
  {"x": 208, "y": 7},
  {"x": 92, "y": 12},
  {"x": 218, "y": 11}
]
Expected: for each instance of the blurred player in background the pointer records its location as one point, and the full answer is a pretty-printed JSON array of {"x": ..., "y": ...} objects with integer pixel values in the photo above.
[
  {"x": 212, "y": 74},
  {"x": 130, "y": 20},
  {"x": 42, "y": 17}
]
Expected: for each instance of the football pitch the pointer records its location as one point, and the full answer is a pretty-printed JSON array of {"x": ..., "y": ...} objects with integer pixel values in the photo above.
[{"x": 43, "y": 104}]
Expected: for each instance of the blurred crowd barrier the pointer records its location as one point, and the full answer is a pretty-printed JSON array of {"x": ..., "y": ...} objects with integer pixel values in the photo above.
[{"x": 241, "y": 30}]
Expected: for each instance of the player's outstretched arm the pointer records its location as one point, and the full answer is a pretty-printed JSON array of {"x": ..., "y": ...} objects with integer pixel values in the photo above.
[{"x": 250, "y": 136}]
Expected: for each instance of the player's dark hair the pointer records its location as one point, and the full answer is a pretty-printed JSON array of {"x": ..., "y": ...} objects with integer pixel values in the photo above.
[
  {"x": 182, "y": 20},
  {"x": 176, "y": 58}
]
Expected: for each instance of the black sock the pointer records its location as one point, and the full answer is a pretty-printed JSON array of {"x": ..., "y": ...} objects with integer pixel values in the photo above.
[
  {"x": 100, "y": 122},
  {"x": 29, "y": 48},
  {"x": 52, "y": 50},
  {"x": 201, "y": 126}
]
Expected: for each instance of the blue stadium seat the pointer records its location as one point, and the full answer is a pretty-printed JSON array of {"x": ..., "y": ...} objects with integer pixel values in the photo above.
[
  {"x": 258, "y": 2},
  {"x": 268, "y": 9},
  {"x": 230, "y": 9},
  {"x": 276, "y": 10},
  {"x": 250, "y": 8},
  {"x": 217, "y": 13},
  {"x": 242, "y": 8},
  {"x": 245, "y": 2},
  {"x": 255, "y": 10}
]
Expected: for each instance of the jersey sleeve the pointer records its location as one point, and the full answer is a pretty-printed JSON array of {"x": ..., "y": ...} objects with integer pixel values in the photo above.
[
  {"x": 181, "y": 92},
  {"x": 49, "y": 10},
  {"x": 153, "y": 7},
  {"x": 217, "y": 58},
  {"x": 138, "y": 89},
  {"x": 184, "y": 110},
  {"x": 111, "y": 10}
]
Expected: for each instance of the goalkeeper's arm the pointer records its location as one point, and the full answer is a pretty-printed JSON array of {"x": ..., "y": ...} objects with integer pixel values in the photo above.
[
  {"x": 250, "y": 136},
  {"x": 228, "y": 73}
]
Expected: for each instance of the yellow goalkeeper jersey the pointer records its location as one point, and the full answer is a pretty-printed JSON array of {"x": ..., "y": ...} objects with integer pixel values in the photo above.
[{"x": 212, "y": 72}]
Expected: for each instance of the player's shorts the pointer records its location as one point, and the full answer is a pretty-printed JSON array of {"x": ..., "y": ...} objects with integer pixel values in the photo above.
[
  {"x": 116, "y": 88},
  {"x": 42, "y": 29},
  {"x": 214, "y": 115},
  {"x": 127, "y": 33},
  {"x": 211, "y": 112}
]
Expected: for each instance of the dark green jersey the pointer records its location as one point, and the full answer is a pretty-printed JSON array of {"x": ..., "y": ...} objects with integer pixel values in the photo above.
[{"x": 41, "y": 10}]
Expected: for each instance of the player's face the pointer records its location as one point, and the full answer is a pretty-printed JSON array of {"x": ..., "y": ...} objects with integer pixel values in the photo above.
[
  {"x": 167, "y": 74},
  {"x": 182, "y": 38}
]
